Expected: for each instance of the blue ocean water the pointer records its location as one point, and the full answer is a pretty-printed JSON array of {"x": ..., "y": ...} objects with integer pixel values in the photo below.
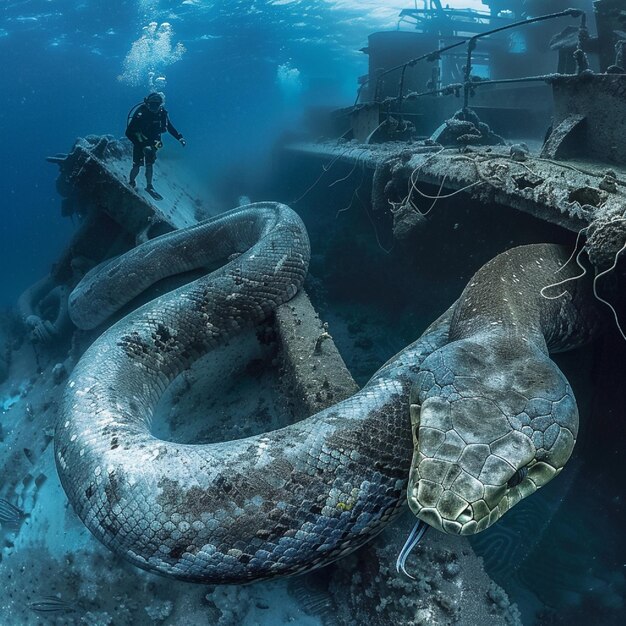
[{"x": 236, "y": 74}]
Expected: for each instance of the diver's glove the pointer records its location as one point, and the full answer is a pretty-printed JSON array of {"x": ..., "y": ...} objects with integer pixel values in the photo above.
[{"x": 183, "y": 143}]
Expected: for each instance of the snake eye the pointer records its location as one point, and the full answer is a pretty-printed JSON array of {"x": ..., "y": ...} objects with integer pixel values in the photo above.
[{"x": 517, "y": 478}]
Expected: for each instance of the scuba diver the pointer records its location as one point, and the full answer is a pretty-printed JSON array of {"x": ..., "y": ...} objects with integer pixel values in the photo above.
[{"x": 144, "y": 129}]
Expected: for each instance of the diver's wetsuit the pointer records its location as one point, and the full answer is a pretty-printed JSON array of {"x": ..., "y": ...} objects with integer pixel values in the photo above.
[{"x": 144, "y": 130}]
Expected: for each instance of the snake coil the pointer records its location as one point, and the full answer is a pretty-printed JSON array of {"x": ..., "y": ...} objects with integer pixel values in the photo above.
[{"x": 274, "y": 504}]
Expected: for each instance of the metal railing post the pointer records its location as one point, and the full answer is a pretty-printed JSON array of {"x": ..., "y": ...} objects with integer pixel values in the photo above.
[
  {"x": 471, "y": 44},
  {"x": 468, "y": 84}
]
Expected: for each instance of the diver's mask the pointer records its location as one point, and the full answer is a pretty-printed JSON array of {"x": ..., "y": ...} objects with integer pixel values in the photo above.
[{"x": 154, "y": 101}]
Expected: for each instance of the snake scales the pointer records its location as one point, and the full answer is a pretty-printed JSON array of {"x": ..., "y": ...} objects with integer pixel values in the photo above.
[{"x": 291, "y": 500}]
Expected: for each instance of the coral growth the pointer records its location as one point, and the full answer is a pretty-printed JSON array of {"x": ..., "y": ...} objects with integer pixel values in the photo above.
[
  {"x": 450, "y": 586},
  {"x": 465, "y": 128}
]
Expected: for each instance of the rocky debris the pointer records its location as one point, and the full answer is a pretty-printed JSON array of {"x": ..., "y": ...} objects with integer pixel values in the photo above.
[
  {"x": 324, "y": 335},
  {"x": 43, "y": 309},
  {"x": 59, "y": 373},
  {"x": 389, "y": 186},
  {"x": 606, "y": 236},
  {"x": 30, "y": 414},
  {"x": 519, "y": 152},
  {"x": 232, "y": 604},
  {"x": 406, "y": 221},
  {"x": 97, "y": 618},
  {"x": 159, "y": 611},
  {"x": 450, "y": 586},
  {"x": 609, "y": 182},
  {"x": 465, "y": 128}
]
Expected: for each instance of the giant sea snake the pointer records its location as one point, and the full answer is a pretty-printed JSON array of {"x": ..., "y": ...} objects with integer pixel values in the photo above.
[{"x": 492, "y": 416}]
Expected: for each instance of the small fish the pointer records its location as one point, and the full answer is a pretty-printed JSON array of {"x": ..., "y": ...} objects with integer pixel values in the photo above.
[
  {"x": 10, "y": 515},
  {"x": 52, "y": 604}
]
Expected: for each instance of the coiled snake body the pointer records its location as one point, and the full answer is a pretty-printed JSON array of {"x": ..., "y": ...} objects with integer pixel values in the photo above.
[{"x": 275, "y": 504}]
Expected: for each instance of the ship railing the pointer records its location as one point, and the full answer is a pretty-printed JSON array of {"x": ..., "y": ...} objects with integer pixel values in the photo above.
[{"x": 470, "y": 83}]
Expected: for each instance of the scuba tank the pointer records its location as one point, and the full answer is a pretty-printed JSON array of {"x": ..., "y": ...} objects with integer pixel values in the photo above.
[
  {"x": 132, "y": 112},
  {"x": 160, "y": 96},
  {"x": 162, "y": 119}
]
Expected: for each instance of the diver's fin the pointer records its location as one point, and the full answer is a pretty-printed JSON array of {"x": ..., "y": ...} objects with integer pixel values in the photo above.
[{"x": 154, "y": 193}]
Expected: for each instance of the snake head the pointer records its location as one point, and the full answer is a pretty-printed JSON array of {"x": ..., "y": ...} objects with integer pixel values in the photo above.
[{"x": 493, "y": 420}]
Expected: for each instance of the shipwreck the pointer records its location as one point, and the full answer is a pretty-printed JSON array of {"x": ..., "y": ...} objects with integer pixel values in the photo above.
[{"x": 472, "y": 133}]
